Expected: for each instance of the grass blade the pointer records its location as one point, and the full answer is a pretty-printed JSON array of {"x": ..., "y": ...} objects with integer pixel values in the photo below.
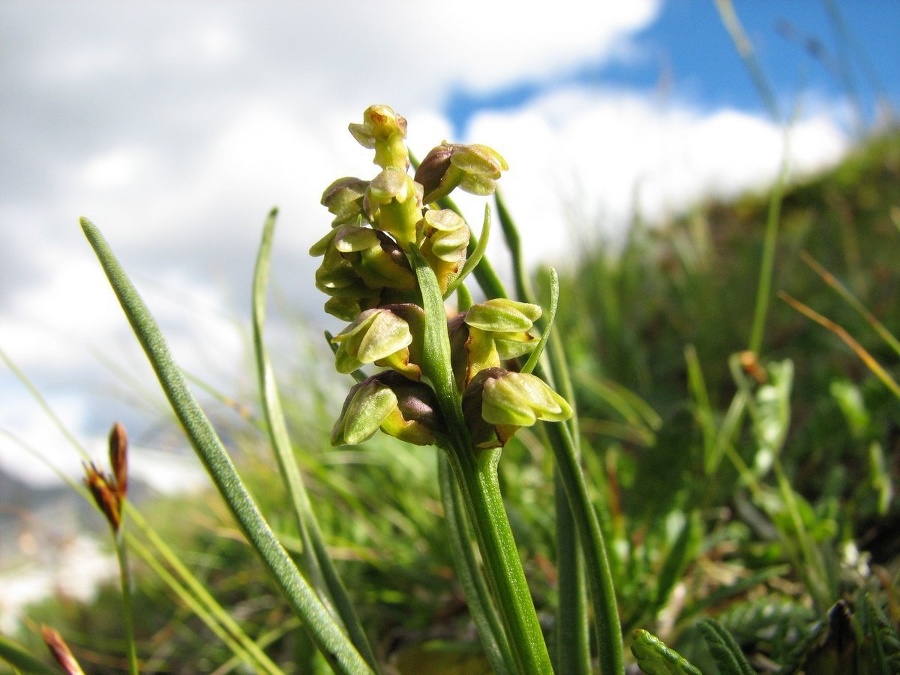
[
  {"x": 318, "y": 563},
  {"x": 324, "y": 630},
  {"x": 726, "y": 652},
  {"x": 852, "y": 300},
  {"x": 848, "y": 339}
]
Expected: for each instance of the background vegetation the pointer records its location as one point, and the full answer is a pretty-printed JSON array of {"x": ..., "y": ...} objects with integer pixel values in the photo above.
[{"x": 758, "y": 489}]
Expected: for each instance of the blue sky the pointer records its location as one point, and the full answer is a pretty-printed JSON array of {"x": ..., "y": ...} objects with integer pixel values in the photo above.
[
  {"x": 176, "y": 127},
  {"x": 836, "y": 49}
]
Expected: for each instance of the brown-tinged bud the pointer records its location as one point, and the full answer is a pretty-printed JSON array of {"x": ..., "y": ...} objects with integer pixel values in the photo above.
[
  {"x": 60, "y": 651},
  {"x": 497, "y": 402},
  {"x": 473, "y": 168},
  {"x": 399, "y": 407},
  {"x": 106, "y": 495},
  {"x": 118, "y": 458},
  {"x": 750, "y": 364},
  {"x": 433, "y": 167},
  {"x": 484, "y": 435}
]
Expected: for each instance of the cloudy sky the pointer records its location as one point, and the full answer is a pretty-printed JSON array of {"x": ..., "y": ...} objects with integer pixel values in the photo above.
[{"x": 175, "y": 127}]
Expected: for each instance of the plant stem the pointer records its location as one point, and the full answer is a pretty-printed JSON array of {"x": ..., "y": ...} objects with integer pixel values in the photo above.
[
  {"x": 319, "y": 567},
  {"x": 127, "y": 611},
  {"x": 767, "y": 265},
  {"x": 573, "y": 652},
  {"x": 476, "y": 473},
  {"x": 478, "y": 597}
]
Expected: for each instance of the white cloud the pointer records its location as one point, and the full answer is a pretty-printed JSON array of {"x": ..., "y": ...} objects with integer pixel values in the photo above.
[
  {"x": 175, "y": 127},
  {"x": 606, "y": 154}
]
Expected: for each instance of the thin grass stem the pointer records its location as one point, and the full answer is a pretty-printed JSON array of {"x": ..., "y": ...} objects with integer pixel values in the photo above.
[
  {"x": 325, "y": 631},
  {"x": 319, "y": 566},
  {"x": 127, "y": 607},
  {"x": 853, "y": 301},
  {"x": 848, "y": 339}
]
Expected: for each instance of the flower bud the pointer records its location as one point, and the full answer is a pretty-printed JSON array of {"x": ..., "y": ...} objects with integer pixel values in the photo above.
[
  {"x": 473, "y": 168},
  {"x": 367, "y": 405},
  {"x": 344, "y": 198},
  {"x": 498, "y": 402},
  {"x": 60, "y": 651},
  {"x": 383, "y": 336},
  {"x": 360, "y": 269},
  {"x": 106, "y": 496},
  {"x": 383, "y": 130},
  {"x": 445, "y": 238},
  {"x": 491, "y": 332},
  {"x": 501, "y": 315},
  {"x": 401, "y": 408},
  {"x": 385, "y": 266},
  {"x": 393, "y": 204},
  {"x": 118, "y": 458}
]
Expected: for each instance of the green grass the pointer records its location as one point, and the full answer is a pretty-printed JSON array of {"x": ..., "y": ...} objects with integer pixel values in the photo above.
[{"x": 757, "y": 502}]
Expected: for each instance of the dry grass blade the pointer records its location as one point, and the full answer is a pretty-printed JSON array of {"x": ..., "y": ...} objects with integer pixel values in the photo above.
[
  {"x": 851, "y": 299},
  {"x": 848, "y": 339}
]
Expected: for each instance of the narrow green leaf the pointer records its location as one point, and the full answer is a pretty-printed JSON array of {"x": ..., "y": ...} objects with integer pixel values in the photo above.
[
  {"x": 573, "y": 635},
  {"x": 315, "y": 555},
  {"x": 325, "y": 631},
  {"x": 655, "y": 658},
  {"x": 725, "y": 651},
  {"x": 475, "y": 256},
  {"x": 551, "y": 316}
]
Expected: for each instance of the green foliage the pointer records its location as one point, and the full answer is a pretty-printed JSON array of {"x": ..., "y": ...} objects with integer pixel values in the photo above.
[
  {"x": 655, "y": 658},
  {"x": 758, "y": 489}
]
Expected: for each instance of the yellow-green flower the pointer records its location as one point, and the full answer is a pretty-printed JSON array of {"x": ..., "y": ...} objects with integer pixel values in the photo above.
[
  {"x": 388, "y": 401},
  {"x": 473, "y": 168},
  {"x": 383, "y": 130},
  {"x": 383, "y": 336},
  {"x": 498, "y": 402}
]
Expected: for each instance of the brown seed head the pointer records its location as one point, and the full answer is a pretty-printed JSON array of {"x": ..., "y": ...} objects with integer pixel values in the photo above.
[
  {"x": 105, "y": 494},
  {"x": 118, "y": 458}
]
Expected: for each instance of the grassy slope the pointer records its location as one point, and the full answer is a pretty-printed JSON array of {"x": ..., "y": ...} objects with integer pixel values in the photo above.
[
  {"x": 690, "y": 283},
  {"x": 693, "y": 282}
]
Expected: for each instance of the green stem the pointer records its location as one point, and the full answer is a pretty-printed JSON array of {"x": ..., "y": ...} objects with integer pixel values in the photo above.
[
  {"x": 127, "y": 611},
  {"x": 476, "y": 473},
  {"x": 767, "y": 266},
  {"x": 325, "y": 631},
  {"x": 478, "y": 597},
  {"x": 573, "y": 652}
]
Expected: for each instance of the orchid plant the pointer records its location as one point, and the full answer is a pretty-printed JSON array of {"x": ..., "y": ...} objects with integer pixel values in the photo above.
[{"x": 432, "y": 368}]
